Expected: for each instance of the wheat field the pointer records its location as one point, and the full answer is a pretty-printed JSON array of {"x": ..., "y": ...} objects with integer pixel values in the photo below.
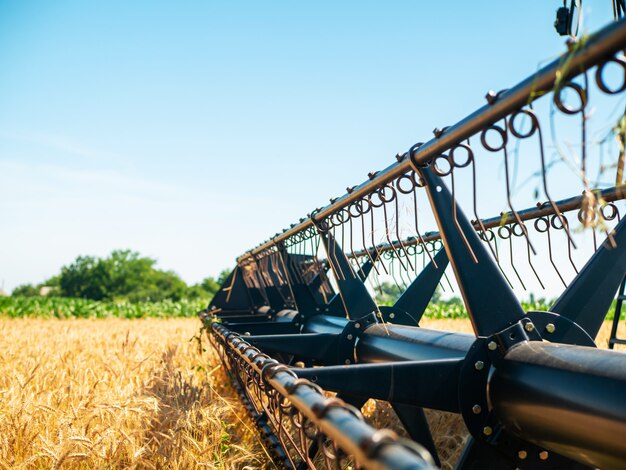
[
  {"x": 117, "y": 394},
  {"x": 137, "y": 393}
]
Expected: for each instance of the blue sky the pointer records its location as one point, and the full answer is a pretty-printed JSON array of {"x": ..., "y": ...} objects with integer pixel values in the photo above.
[{"x": 190, "y": 131}]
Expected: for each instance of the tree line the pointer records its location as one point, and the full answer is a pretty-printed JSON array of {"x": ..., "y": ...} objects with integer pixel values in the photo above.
[{"x": 124, "y": 275}]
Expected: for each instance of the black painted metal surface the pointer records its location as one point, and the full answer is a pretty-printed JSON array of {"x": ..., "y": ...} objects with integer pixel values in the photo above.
[{"x": 531, "y": 387}]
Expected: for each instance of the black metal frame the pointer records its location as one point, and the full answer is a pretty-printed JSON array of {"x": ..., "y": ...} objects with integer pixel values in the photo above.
[{"x": 531, "y": 387}]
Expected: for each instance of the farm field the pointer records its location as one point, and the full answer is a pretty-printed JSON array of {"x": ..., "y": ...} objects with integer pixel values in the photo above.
[{"x": 115, "y": 393}]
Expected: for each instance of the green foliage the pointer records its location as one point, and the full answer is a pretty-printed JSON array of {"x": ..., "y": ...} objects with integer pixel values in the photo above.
[
  {"x": 123, "y": 276},
  {"x": 55, "y": 307},
  {"x": 26, "y": 290},
  {"x": 63, "y": 308}
]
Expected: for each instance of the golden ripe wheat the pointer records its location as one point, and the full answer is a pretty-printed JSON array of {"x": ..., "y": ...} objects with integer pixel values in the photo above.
[{"x": 139, "y": 393}]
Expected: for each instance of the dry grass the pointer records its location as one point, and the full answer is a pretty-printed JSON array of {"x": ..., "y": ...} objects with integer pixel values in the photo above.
[
  {"x": 138, "y": 393},
  {"x": 117, "y": 394}
]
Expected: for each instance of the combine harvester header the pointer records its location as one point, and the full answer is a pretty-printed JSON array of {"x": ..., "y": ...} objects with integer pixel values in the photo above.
[{"x": 298, "y": 317}]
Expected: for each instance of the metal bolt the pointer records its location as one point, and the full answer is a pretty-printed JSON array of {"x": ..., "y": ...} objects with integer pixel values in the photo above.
[
  {"x": 357, "y": 325},
  {"x": 491, "y": 96},
  {"x": 543, "y": 455},
  {"x": 247, "y": 333},
  {"x": 487, "y": 431},
  {"x": 550, "y": 327},
  {"x": 392, "y": 315},
  {"x": 476, "y": 409},
  {"x": 479, "y": 365},
  {"x": 347, "y": 361},
  {"x": 529, "y": 327},
  {"x": 522, "y": 454},
  {"x": 492, "y": 346},
  {"x": 350, "y": 337}
]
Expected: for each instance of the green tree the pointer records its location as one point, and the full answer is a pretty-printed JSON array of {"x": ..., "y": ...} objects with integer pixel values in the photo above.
[
  {"x": 204, "y": 290},
  {"x": 87, "y": 277},
  {"x": 25, "y": 290},
  {"x": 123, "y": 275}
]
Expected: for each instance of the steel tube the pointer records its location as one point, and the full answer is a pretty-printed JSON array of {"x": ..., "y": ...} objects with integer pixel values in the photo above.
[
  {"x": 382, "y": 343},
  {"x": 388, "y": 342},
  {"x": 341, "y": 424},
  {"x": 568, "y": 399},
  {"x": 598, "y": 47},
  {"x": 350, "y": 433}
]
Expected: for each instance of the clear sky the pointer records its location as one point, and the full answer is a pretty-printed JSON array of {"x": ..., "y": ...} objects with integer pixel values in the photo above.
[{"x": 192, "y": 130}]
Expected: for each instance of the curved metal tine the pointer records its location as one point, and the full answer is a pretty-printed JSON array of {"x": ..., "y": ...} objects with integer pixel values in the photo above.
[
  {"x": 511, "y": 257},
  {"x": 483, "y": 235},
  {"x": 504, "y": 136},
  {"x": 273, "y": 271},
  {"x": 353, "y": 256},
  {"x": 332, "y": 252},
  {"x": 417, "y": 230},
  {"x": 434, "y": 263},
  {"x": 328, "y": 461},
  {"x": 417, "y": 244},
  {"x": 530, "y": 262},
  {"x": 292, "y": 261},
  {"x": 373, "y": 238},
  {"x": 305, "y": 266},
  {"x": 387, "y": 236},
  {"x": 343, "y": 244},
  {"x": 401, "y": 273},
  {"x": 273, "y": 265},
  {"x": 569, "y": 242},
  {"x": 263, "y": 270},
  {"x": 399, "y": 238},
  {"x": 497, "y": 254},
  {"x": 454, "y": 215},
  {"x": 445, "y": 272},
  {"x": 365, "y": 248},
  {"x": 312, "y": 261},
  {"x": 268, "y": 281},
  {"x": 318, "y": 266},
  {"x": 583, "y": 129},
  {"x": 609, "y": 233},
  {"x": 314, "y": 253},
  {"x": 392, "y": 272},
  {"x": 536, "y": 127},
  {"x": 547, "y": 231},
  {"x": 375, "y": 281}
]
